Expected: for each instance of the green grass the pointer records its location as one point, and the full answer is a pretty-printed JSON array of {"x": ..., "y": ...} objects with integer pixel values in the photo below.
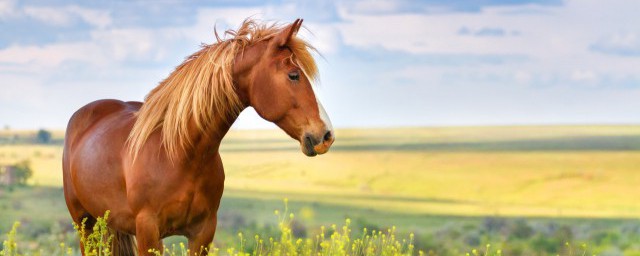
[
  {"x": 571, "y": 171},
  {"x": 45, "y": 160},
  {"x": 328, "y": 241},
  {"x": 33, "y": 206},
  {"x": 544, "y": 171},
  {"x": 422, "y": 180},
  {"x": 45, "y": 223}
]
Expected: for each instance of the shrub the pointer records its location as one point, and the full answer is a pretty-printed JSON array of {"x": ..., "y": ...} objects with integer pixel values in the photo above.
[
  {"x": 23, "y": 172},
  {"x": 43, "y": 136},
  {"x": 520, "y": 229}
]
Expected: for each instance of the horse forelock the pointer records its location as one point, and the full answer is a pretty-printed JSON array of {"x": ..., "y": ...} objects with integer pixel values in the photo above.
[{"x": 200, "y": 91}]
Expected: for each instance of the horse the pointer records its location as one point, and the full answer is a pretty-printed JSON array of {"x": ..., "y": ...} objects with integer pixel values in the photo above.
[{"x": 155, "y": 165}]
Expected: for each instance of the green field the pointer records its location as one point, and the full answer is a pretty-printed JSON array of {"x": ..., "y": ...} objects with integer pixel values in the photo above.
[{"x": 418, "y": 179}]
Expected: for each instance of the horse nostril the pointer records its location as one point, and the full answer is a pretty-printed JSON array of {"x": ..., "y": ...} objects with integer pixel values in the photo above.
[{"x": 327, "y": 136}]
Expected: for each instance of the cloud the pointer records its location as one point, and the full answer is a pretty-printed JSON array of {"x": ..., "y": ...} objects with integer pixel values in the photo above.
[
  {"x": 99, "y": 19},
  {"x": 433, "y": 62},
  {"x": 314, "y": 11},
  {"x": 555, "y": 41},
  {"x": 550, "y": 31},
  {"x": 620, "y": 44},
  {"x": 325, "y": 38},
  {"x": 107, "y": 48},
  {"x": 135, "y": 44},
  {"x": 374, "y": 7},
  {"x": 490, "y": 32},
  {"x": 66, "y": 16},
  {"x": 486, "y": 31},
  {"x": 48, "y": 56},
  {"x": 584, "y": 77},
  {"x": 385, "y": 7},
  {"x": 7, "y": 9},
  {"x": 101, "y": 48},
  {"x": 446, "y": 33}
]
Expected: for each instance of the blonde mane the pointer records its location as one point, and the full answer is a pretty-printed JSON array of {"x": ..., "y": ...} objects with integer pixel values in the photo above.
[{"x": 200, "y": 91}]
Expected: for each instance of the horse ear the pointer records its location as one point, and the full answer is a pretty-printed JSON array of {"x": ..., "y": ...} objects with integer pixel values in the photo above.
[{"x": 285, "y": 35}]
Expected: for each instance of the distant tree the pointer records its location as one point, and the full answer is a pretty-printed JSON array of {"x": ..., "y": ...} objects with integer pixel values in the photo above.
[
  {"x": 22, "y": 172},
  {"x": 7, "y": 127},
  {"x": 43, "y": 136}
]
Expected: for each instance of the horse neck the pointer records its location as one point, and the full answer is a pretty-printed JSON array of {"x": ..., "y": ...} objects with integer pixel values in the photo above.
[{"x": 206, "y": 143}]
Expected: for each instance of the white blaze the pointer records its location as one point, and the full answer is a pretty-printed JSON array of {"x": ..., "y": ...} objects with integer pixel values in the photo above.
[{"x": 323, "y": 116}]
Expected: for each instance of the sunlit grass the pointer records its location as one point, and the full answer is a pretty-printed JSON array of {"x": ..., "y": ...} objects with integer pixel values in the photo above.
[
  {"x": 333, "y": 240},
  {"x": 554, "y": 171},
  {"x": 419, "y": 179},
  {"x": 45, "y": 160}
]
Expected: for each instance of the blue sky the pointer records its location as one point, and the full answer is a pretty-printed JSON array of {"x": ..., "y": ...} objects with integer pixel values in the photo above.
[{"x": 386, "y": 63}]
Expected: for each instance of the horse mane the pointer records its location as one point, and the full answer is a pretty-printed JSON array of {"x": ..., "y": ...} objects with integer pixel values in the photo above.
[{"x": 200, "y": 91}]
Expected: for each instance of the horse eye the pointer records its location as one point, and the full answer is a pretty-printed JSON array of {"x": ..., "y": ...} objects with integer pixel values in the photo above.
[{"x": 294, "y": 76}]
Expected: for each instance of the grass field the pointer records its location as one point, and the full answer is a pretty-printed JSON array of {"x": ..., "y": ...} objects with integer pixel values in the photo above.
[
  {"x": 419, "y": 179},
  {"x": 511, "y": 171},
  {"x": 572, "y": 171}
]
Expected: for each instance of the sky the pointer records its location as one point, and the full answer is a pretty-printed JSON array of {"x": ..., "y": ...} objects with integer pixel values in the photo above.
[{"x": 383, "y": 64}]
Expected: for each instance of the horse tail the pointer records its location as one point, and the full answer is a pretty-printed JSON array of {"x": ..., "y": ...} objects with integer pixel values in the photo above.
[{"x": 123, "y": 244}]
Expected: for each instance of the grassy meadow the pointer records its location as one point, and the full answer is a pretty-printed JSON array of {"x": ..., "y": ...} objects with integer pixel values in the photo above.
[{"x": 456, "y": 188}]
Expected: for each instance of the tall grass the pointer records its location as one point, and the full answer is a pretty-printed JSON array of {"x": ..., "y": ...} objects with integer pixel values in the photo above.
[
  {"x": 98, "y": 242},
  {"x": 10, "y": 246},
  {"x": 331, "y": 241},
  {"x": 328, "y": 241}
]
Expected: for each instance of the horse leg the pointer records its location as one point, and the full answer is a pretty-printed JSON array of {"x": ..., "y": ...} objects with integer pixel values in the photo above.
[
  {"x": 200, "y": 240},
  {"x": 147, "y": 234}
]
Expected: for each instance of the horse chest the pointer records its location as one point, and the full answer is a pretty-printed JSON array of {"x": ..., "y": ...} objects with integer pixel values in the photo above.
[{"x": 189, "y": 208}]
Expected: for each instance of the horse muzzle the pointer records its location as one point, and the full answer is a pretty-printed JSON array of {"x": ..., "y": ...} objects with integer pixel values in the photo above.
[{"x": 316, "y": 145}]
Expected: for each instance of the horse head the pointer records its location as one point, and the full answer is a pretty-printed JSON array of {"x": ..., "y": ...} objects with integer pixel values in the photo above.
[{"x": 274, "y": 76}]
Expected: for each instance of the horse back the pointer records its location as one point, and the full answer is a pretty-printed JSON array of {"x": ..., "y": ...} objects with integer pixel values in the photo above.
[{"x": 89, "y": 115}]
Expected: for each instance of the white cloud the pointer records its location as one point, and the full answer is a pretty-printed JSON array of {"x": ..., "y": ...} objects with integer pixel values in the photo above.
[
  {"x": 325, "y": 38},
  {"x": 96, "y": 18},
  {"x": 556, "y": 40},
  {"x": 7, "y": 9},
  {"x": 551, "y": 30},
  {"x": 66, "y": 16},
  {"x": 522, "y": 77},
  {"x": 374, "y": 7},
  {"x": 134, "y": 43},
  {"x": 50, "y": 16},
  {"x": 221, "y": 19},
  {"x": 418, "y": 33},
  {"x": 104, "y": 48},
  {"x": 48, "y": 56},
  {"x": 622, "y": 44},
  {"x": 555, "y": 43},
  {"x": 584, "y": 76},
  {"x": 107, "y": 47}
]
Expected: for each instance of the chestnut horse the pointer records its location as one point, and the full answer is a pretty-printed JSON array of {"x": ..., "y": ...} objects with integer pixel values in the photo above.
[{"x": 156, "y": 166}]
